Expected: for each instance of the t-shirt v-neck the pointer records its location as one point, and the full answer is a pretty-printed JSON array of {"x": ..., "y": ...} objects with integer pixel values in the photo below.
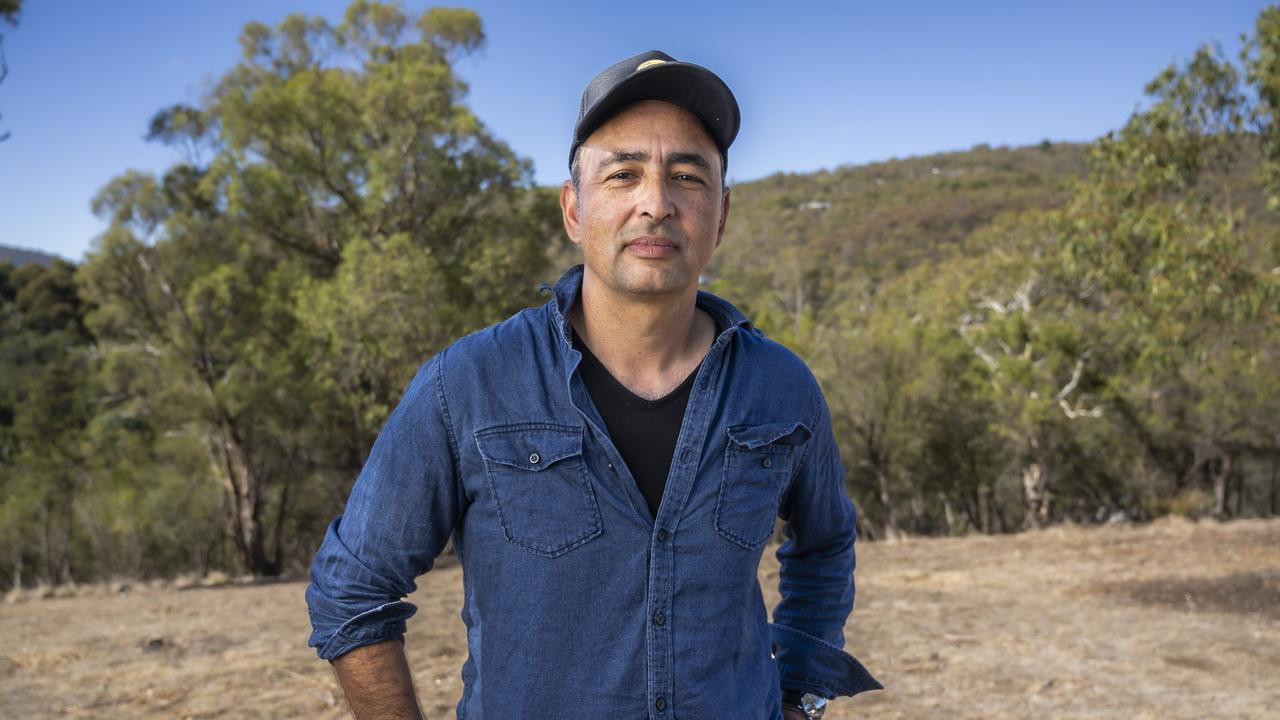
[{"x": 644, "y": 431}]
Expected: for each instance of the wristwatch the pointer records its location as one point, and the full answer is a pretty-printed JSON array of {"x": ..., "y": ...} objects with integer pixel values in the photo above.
[{"x": 813, "y": 706}]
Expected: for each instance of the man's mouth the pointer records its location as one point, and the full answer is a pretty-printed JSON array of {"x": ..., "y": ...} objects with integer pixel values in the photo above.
[
  {"x": 651, "y": 246},
  {"x": 652, "y": 241}
]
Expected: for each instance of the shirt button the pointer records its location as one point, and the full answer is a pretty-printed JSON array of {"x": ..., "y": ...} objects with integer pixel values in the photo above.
[
  {"x": 534, "y": 459},
  {"x": 662, "y": 535},
  {"x": 660, "y": 703},
  {"x": 659, "y": 618},
  {"x": 767, "y": 462}
]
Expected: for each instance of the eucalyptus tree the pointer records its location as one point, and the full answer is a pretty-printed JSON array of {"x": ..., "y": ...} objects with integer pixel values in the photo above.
[{"x": 338, "y": 215}]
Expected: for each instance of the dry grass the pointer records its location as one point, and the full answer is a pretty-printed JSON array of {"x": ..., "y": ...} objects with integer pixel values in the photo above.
[{"x": 1172, "y": 620}]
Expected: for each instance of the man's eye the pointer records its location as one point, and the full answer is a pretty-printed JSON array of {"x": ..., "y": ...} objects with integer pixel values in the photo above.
[
  {"x": 622, "y": 175},
  {"x": 686, "y": 177}
]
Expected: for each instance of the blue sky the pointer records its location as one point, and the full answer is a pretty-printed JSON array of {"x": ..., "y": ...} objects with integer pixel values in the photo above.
[{"x": 820, "y": 84}]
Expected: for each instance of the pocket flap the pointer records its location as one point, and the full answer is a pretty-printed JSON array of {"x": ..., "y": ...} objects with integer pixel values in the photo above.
[
  {"x": 756, "y": 436},
  {"x": 529, "y": 447}
]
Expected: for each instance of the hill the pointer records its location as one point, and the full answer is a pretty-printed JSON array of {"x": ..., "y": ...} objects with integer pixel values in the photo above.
[
  {"x": 809, "y": 236},
  {"x": 21, "y": 256}
]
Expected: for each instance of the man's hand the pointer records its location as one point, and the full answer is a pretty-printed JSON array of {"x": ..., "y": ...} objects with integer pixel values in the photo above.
[
  {"x": 789, "y": 712},
  {"x": 376, "y": 682}
]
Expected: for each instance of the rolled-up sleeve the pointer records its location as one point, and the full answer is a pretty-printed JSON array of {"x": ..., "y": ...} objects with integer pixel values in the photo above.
[
  {"x": 403, "y": 507},
  {"x": 816, "y": 574}
]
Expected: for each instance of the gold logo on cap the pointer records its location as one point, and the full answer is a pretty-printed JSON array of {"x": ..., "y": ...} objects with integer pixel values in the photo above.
[{"x": 649, "y": 64}]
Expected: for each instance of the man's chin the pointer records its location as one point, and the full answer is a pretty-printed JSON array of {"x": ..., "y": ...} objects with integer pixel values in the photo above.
[{"x": 652, "y": 283}]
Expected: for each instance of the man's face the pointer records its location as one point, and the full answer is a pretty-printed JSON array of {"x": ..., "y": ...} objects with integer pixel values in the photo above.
[{"x": 650, "y": 208}]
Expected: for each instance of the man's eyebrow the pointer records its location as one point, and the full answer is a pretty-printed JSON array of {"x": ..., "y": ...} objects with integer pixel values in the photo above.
[
  {"x": 689, "y": 158},
  {"x": 618, "y": 158},
  {"x": 677, "y": 158}
]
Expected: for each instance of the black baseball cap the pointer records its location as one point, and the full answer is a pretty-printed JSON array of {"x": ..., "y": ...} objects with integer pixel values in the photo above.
[{"x": 655, "y": 75}]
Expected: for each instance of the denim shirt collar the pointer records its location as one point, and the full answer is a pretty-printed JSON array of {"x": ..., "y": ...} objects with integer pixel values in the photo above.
[{"x": 566, "y": 291}]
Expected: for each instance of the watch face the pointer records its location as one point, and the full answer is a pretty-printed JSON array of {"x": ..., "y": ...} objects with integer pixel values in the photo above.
[{"x": 813, "y": 705}]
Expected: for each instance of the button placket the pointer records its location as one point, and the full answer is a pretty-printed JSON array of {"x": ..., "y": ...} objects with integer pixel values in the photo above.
[{"x": 690, "y": 444}]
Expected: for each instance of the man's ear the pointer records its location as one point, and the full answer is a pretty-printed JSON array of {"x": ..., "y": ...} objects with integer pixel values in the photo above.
[
  {"x": 569, "y": 212},
  {"x": 724, "y": 217}
]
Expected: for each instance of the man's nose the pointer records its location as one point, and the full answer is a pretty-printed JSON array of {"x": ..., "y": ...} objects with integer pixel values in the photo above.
[{"x": 655, "y": 197}]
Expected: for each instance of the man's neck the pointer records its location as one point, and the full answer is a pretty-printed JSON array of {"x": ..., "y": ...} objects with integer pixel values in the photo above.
[{"x": 649, "y": 346}]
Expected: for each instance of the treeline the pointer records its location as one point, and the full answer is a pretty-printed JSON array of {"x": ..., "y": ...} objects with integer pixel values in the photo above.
[{"x": 1006, "y": 338}]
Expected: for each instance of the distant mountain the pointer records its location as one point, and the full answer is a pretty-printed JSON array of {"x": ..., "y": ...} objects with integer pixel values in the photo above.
[{"x": 20, "y": 256}]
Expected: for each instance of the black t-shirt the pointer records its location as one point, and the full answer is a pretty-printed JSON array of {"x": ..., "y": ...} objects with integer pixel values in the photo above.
[{"x": 644, "y": 431}]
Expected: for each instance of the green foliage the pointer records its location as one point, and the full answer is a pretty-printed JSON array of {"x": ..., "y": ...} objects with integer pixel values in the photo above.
[
  {"x": 1261, "y": 57},
  {"x": 44, "y": 408},
  {"x": 453, "y": 28}
]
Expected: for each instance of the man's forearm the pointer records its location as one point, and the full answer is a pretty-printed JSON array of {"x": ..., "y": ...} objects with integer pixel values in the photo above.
[{"x": 376, "y": 682}]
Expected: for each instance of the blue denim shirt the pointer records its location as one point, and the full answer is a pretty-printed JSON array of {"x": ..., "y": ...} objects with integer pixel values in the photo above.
[{"x": 578, "y": 602}]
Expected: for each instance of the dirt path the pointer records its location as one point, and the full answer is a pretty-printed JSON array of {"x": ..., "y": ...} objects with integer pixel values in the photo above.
[{"x": 1174, "y": 620}]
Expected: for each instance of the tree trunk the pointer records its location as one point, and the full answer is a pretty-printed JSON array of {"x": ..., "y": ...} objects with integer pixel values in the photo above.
[
  {"x": 17, "y": 567},
  {"x": 919, "y": 519},
  {"x": 972, "y": 507},
  {"x": 948, "y": 514},
  {"x": 1239, "y": 494},
  {"x": 46, "y": 546},
  {"x": 66, "y": 576},
  {"x": 993, "y": 514},
  {"x": 277, "y": 539},
  {"x": 244, "y": 489},
  {"x": 1220, "y": 479},
  {"x": 1275, "y": 486},
  {"x": 983, "y": 501},
  {"x": 1035, "y": 489},
  {"x": 866, "y": 531},
  {"x": 891, "y": 514}
]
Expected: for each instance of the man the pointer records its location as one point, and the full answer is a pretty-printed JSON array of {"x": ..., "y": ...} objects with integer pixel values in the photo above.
[{"x": 609, "y": 467}]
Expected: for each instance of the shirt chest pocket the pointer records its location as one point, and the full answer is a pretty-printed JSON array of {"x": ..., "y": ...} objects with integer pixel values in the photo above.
[
  {"x": 758, "y": 462},
  {"x": 539, "y": 482}
]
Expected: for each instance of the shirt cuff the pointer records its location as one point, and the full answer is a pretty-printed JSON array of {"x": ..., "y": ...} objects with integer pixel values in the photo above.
[
  {"x": 384, "y": 622},
  {"x": 814, "y": 665}
]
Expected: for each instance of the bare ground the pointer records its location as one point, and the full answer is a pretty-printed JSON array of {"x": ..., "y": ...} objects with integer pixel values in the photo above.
[{"x": 1172, "y": 620}]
